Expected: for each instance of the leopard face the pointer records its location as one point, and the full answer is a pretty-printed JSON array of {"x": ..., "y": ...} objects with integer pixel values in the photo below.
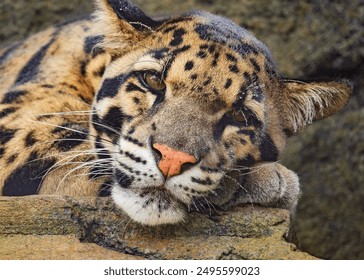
[
  {"x": 192, "y": 98},
  {"x": 186, "y": 105}
]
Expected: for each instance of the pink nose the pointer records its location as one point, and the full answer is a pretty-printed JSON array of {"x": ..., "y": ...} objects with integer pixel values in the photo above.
[{"x": 172, "y": 160}]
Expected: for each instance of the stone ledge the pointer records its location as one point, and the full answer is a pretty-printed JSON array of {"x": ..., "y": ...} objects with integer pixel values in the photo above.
[
  {"x": 54, "y": 247},
  {"x": 52, "y": 227}
]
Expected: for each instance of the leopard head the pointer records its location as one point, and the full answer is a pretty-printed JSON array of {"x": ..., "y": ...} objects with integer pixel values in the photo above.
[{"x": 186, "y": 99}]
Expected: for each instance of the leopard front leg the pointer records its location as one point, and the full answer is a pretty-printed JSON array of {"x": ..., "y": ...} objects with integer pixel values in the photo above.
[
  {"x": 271, "y": 185},
  {"x": 267, "y": 184}
]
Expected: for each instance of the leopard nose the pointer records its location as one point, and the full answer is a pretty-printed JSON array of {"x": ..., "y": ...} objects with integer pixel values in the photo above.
[{"x": 172, "y": 162}]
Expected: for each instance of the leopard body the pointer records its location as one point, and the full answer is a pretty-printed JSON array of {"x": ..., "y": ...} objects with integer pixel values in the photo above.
[{"x": 154, "y": 113}]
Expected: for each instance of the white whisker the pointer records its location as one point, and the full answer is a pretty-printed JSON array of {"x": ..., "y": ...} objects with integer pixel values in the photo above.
[{"x": 81, "y": 113}]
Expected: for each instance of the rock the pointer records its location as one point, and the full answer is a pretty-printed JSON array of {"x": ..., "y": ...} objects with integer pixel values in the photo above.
[
  {"x": 330, "y": 216},
  {"x": 54, "y": 247},
  {"x": 48, "y": 227},
  {"x": 21, "y": 18}
]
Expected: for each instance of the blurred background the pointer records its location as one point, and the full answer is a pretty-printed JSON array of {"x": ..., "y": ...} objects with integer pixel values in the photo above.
[{"x": 310, "y": 39}]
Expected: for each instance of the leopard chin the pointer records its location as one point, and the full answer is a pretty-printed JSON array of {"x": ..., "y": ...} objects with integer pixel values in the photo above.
[{"x": 153, "y": 207}]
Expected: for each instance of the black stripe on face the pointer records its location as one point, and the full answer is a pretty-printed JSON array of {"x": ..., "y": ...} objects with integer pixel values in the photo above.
[
  {"x": 114, "y": 119},
  {"x": 110, "y": 87},
  {"x": 206, "y": 181},
  {"x": 133, "y": 140},
  {"x": 31, "y": 69},
  {"x": 96, "y": 123},
  {"x": 13, "y": 96},
  {"x": 268, "y": 150},
  {"x": 134, "y": 158},
  {"x": 105, "y": 189},
  {"x": 123, "y": 180},
  {"x": 99, "y": 169},
  {"x": 102, "y": 152},
  {"x": 27, "y": 179}
]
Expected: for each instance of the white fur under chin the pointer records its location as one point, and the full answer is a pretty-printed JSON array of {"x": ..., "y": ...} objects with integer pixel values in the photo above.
[{"x": 131, "y": 203}]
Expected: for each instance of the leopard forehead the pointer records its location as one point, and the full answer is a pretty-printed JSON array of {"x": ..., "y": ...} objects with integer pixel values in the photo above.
[
  {"x": 222, "y": 30},
  {"x": 203, "y": 56},
  {"x": 213, "y": 34}
]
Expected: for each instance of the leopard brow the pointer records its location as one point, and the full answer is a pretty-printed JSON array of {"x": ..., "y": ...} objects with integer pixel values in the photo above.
[{"x": 148, "y": 63}]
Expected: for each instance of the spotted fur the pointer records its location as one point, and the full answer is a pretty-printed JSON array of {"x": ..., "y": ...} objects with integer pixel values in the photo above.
[{"x": 78, "y": 117}]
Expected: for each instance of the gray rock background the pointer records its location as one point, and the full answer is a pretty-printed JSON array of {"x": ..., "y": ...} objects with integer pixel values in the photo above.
[{"x": 309, "y": 39}]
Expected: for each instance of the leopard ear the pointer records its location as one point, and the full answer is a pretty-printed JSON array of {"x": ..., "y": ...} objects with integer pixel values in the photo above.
[
  {"x": 121, "y": 22},
  {"x": 301, "y": 103}
]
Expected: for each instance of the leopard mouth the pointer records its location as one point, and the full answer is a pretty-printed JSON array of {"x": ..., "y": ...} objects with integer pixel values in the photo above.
[
  {"x": 151, "y": 205},
  {"x": 158, "y": 193}
]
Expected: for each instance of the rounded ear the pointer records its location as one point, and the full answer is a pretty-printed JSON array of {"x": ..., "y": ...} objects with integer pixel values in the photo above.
[
  {"x": 121, "y": 23},
  {"x": 301, "y": 103}
]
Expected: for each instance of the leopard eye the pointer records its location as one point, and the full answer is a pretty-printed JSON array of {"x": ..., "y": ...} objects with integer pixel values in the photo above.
[
  {"x": 239, "y": 116},
  {"x": 153, "y": 81}
]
